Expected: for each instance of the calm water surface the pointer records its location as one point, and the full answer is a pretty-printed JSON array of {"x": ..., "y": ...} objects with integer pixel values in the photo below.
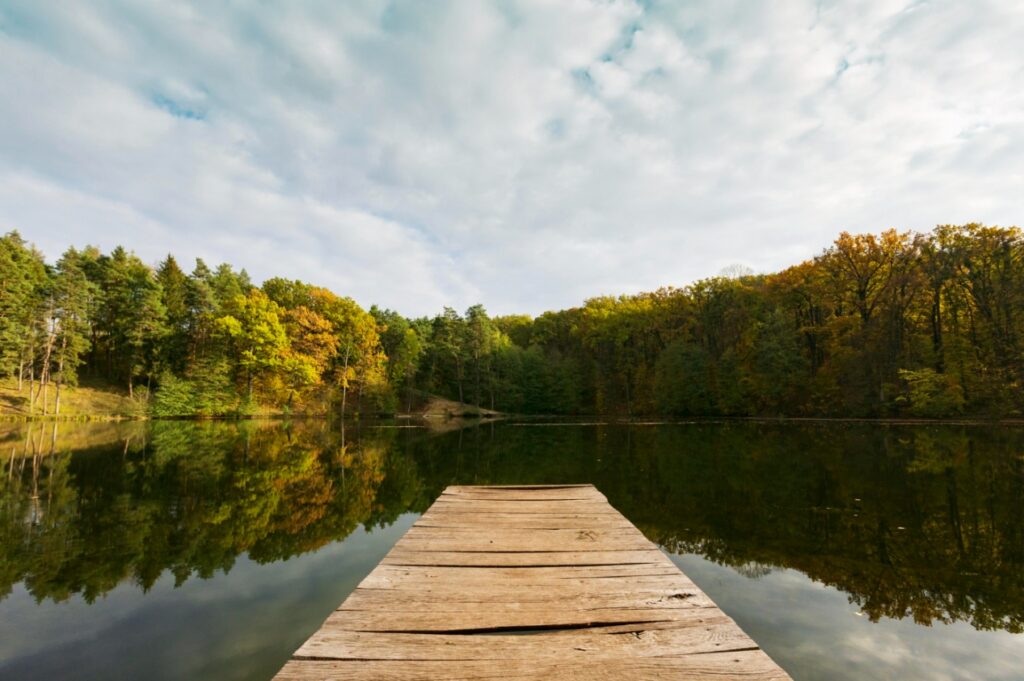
[{"x": 212, "y": 550}]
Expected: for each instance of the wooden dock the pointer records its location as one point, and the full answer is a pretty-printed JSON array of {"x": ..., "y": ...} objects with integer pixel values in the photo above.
[{"x": 538, "y": 582}]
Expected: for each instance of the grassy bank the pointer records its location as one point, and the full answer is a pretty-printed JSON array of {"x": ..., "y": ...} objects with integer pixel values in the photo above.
[
  {"x": 89, "y": 401},
  {"x": 100, "y": 401}
]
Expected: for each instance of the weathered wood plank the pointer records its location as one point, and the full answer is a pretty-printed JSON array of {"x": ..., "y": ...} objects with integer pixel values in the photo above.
[
  {"x": 444, "y": 539},
  {"x": 493, "y": 619},
  {"x": 713, "y": 635},
  {"x": 409, "y": 601},
  {"x": 471, "y": 587},
  {"x": 417, "y": 577},
  {"x": 527, "y": 582},
  {"x": 524, "y": 522},
  {"x": 523, "y": 494},
  {"x": 558, "y": 507},
  {"x": 749, "y": 665},
  {"x": 402, "y": 556}
]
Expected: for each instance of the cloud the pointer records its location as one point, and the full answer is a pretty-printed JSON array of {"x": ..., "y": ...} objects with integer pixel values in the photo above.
[{"x": 526, "y": 155}]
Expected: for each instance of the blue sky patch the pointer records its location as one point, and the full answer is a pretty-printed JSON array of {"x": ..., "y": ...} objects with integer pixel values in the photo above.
[{"x": 177, "y": 109}]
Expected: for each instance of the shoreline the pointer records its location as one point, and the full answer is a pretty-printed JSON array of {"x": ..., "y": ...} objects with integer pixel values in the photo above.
[{"x": 554, "y": 420}]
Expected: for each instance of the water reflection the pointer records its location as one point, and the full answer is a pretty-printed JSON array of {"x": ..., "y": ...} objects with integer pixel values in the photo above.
[
  {"x": 188, "y": 498},
  {"x": 918, "y": 522}
]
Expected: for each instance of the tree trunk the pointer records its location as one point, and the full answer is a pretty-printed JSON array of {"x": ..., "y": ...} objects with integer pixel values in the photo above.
[
  {"x": 936, "y": 319},
  {"x": 344, "y": 382},
  {"x": 44, "y": 383},
  {"x": 31, "y": 374},
  {"x": 51, "y": 339},
  {"x": 60, "y": 375}
]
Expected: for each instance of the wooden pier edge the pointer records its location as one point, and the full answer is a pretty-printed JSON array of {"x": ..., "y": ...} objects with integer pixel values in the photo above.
[{"x": 527, "y": 582}]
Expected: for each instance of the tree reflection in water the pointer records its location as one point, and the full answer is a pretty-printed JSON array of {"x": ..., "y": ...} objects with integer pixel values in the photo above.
[{"x": 910, "y": 521}]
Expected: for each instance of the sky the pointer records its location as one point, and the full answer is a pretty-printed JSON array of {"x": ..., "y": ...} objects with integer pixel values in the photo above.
[{"x": 526, "y": 155}]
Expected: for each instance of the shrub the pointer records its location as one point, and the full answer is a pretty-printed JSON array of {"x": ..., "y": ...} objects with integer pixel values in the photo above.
[
  {"x": 175, "y": 397},
  {"x": 931, "y": 394}
]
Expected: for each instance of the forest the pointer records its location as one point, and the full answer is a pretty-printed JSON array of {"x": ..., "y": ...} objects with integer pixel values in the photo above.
[{"x": 897, "y": 324}]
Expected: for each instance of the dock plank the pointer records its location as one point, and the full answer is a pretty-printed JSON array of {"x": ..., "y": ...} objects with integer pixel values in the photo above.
[{"x": 527, "y": 582}]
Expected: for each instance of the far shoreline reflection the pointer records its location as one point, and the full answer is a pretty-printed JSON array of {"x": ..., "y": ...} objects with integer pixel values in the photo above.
[{"x": 916, "y": 523}]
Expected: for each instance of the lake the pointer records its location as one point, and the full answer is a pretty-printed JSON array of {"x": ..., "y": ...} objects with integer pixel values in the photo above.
[{"x": 174, "y": 550}]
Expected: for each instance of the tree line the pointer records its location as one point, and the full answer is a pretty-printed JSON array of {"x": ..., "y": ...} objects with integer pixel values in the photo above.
[{"x": 896, "y": 324}]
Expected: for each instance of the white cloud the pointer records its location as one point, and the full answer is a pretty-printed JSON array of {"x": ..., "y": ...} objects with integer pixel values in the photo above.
[{"x": 525, "y": 155}]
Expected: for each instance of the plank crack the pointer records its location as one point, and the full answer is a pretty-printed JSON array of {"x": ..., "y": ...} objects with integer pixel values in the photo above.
[
  {"x": 518, "y": 630},
  {"x": 725, "y": 650}
]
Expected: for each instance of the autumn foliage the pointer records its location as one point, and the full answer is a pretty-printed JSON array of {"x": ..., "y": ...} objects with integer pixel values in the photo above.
[{"x": 895, "y": 324}]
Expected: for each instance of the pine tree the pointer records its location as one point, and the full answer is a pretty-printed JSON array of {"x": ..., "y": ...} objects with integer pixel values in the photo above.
[
  {"x": 74, "y": 295},
  {"x": 22, "y": 278},
  {"x": 174, "y": 287}
]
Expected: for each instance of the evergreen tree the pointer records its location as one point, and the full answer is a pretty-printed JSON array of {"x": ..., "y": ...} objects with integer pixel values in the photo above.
[
  {"x": 75, "y": 302},
  {"x": 22, "y": 278},
  {"x": 133, "y": 320},
  {"x": 174, "y": 289}
]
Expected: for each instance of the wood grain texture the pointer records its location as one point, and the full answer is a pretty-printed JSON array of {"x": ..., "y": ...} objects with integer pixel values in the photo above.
[{"x": 527, "y": 582}]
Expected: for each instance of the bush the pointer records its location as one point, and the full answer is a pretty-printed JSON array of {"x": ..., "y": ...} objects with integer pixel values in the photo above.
[
  {"x": 214, "y": 392},
  {"x": 175, "y": 397},
  {"x": 137, "y": 406},
  {"x": 931, "y": 394}
]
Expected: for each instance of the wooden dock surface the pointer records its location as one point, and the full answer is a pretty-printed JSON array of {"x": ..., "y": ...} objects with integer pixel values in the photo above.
[{"x": 539, "y": 582}]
